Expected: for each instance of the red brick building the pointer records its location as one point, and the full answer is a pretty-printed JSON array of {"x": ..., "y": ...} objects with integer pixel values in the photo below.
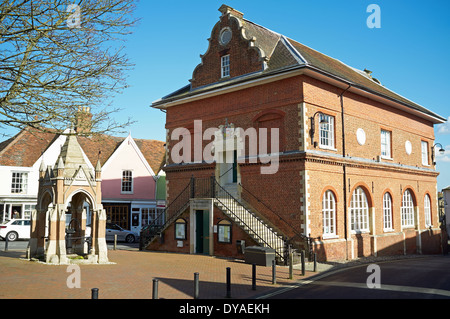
[{"x": 352, "y": 161}]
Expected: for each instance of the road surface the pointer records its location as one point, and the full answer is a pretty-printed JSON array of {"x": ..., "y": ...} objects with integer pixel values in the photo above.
[{"x": 426, "y": 277}]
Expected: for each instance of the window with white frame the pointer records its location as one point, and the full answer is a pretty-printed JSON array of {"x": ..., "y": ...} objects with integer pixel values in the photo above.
[
  {"x": 407, "y": 209},
  {"x": 387, "y": 211},
  {"x": 145, "y": 216},
  {"x": 19, "y": 182},
  {"x": 385, "y": 144},
  {"x": 329, "y": 214},
  {"x": 27, "y": 209},
  {"x": 424, "y": 153},
  {"x": 427, "y": 210},
  {"x": 225, "y": 65},
  {"x": 359, "y": 211},
  {"x": 326, "y": 131},
  {"x": 127, "y": 181}
]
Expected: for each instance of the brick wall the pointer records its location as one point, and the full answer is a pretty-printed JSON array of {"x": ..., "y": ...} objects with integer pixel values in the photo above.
[
  {"x": 371, "y": 116},
  {"x": 243, "y": 58},
  {"x": 295, "y": 192},
  {"x": 245, "y": 109},
  {"x": 170, "y": 244}
]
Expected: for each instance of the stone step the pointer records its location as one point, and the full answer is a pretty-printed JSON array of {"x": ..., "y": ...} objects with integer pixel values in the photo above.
[{"x": 255, "y": 227}]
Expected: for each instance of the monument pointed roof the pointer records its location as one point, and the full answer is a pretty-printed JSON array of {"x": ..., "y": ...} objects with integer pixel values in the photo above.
[{"x": 72, "y": 157}]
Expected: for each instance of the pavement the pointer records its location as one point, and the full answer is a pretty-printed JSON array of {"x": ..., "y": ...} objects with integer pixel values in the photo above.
[{"x": 131, "y": 273}]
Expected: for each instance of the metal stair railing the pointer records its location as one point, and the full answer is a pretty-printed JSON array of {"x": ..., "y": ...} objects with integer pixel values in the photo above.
[
  {"x": 250, "y": 222},
  {"x": 166, "y": 217},
  {"x": 209, "y": 187},
  {"x": 260, "y": 206}
]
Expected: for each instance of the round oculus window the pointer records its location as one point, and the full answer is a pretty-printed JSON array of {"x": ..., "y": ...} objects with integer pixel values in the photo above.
[
  {"x": 225, "y": 36},
  {"x": 408, "y": 147},
  {"x": 361, "y": 136}
]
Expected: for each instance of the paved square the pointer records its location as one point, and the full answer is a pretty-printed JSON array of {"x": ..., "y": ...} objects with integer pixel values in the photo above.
[{"x": 131, "y": 277}]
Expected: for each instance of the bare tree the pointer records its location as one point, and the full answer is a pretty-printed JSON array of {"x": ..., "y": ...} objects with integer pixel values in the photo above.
[{"x": 58, "y": 58}]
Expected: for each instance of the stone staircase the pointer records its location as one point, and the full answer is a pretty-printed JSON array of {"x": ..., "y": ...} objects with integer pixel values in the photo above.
[
  {"x": 254, "y": 226},
  {"x": 232, "y": 189}
]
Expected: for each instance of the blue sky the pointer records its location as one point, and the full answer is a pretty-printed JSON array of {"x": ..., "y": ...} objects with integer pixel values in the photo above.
[{"x": 409, "y": 54}]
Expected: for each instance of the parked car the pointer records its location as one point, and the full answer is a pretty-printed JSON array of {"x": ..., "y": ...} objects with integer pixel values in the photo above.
[
  {"x": 122, "y": 234},
  {"x": 15, "y": 229},
  {"x": 20, "y": 229}
]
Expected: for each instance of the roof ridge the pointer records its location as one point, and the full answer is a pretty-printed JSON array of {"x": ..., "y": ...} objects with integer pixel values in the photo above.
[
  {"x": 13, "y": 139},
  {"x": 290, "y": 39},
  {"x": 294, "y": 52},
  {"x": 357, "y": 71},
  {"x": 262, "y": 27}
]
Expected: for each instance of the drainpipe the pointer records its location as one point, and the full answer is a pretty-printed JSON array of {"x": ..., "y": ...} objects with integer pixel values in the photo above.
[
  {"x": 344, "y": 171},
  {"x": 156, "y": 178}
]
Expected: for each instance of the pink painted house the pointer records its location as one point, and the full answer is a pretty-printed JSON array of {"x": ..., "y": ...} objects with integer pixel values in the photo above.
[
  {"x": 133, "y": 184},
  {"x": 130, "y": 184}
]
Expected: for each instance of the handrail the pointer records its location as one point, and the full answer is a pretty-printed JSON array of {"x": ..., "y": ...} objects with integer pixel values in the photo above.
[
  {"x": 198, "y": 187},
  {"x": 255, "y": 225},
  {"x": 226, "y": 172},
  {"x": 150, "y": 230},
  {"x": 275, "y": 213},
  {"x": 290, "y": 239}
]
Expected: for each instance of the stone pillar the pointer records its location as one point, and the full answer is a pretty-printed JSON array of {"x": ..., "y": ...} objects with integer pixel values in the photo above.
[
  {"x": 34, "y": 230},
  {"x": 84, "y": 246},
  {"x": 94, "y": 227},
  {"x": 102, "y": 248},
  {"x": 56, "y": 249},
  {"x": 99, "y": 251}
]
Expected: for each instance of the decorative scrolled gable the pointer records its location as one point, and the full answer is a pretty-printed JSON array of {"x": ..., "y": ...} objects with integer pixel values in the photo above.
[{"x": 242, "y": 41}]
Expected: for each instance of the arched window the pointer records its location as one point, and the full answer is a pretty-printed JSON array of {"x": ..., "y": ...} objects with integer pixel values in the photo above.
[
  {"x": 427, "y": 210},
  {"x": 329, "y": 213},
  {"x": 387, "y": 211},
  {"x": 407, "y": 209},
  {"x": 359, "y": 211}
]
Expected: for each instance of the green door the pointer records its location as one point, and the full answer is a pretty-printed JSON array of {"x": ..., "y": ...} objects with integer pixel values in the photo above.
[
  {"x": 202, "y": 232},
  {"x": 235, "y": 167}
]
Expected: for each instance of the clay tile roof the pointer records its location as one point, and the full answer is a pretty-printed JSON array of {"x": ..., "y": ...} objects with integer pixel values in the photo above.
[
  {"x": 154, "y": 152},
  {"x": 358, "y": 78},
  {"x": 283, "y": 54},
  {"x": 25, "y": 148}
]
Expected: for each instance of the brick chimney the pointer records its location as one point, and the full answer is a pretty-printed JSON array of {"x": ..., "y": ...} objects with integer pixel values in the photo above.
[{"x": 83, "y": 120}]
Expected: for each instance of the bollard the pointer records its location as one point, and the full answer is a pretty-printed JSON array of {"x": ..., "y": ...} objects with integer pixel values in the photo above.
[
  {"x": 155, "y": 289},
  {"x": 274, "y": 272},
  {"x": 303, "y": 262},
  {"x": 6, "y": 242},
  {"x": 253, "y": 276},
  {"x": 315, "y": 262},
  {"x": 115, "y": 241},
  {"x": 291, "y": 266},
  {"x": 196, "y": 285},
  {"x": 94, "y": 293},
  {"x": 228, "y": 282}
]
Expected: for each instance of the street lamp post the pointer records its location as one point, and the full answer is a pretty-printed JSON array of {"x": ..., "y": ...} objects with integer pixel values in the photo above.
[
  {"x": 441, "y": 151},
  {"x": 323, "y": 120}
]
